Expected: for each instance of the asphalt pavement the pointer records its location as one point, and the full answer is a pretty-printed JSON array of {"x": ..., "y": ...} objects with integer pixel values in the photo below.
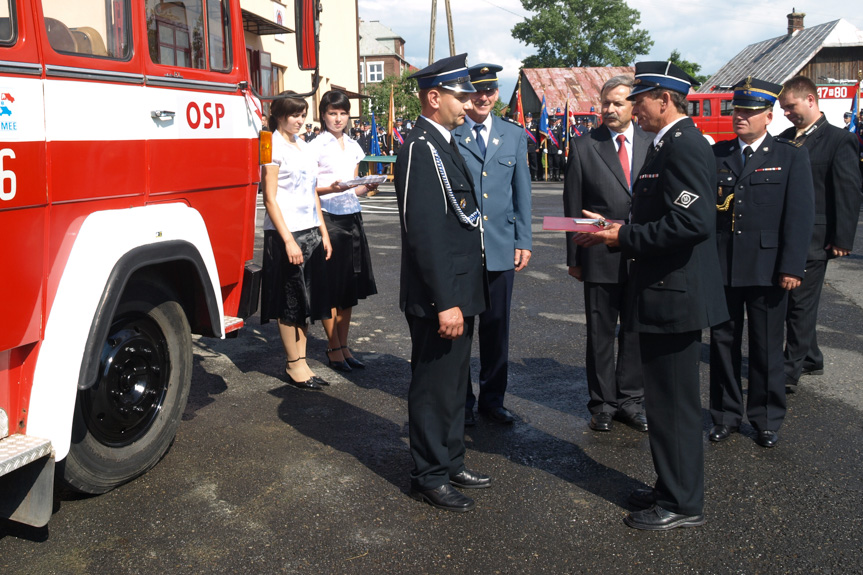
[{"x": 266, "y": 478}]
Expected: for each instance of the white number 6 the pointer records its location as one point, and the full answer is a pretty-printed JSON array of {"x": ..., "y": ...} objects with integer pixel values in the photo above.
[{"x": 7, "y": 175}]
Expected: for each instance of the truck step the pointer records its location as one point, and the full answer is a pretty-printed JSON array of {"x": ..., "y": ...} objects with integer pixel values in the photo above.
[
  {"x": 19, "y": 450},
  {"x": 232, "y": 323}
]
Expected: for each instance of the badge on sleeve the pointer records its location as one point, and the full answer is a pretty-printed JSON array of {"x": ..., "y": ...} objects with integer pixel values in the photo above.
[{"x": 685, "y": 199}]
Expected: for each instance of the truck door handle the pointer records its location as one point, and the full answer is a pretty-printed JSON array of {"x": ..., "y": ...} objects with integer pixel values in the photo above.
[{"x": 162, "y": 114}]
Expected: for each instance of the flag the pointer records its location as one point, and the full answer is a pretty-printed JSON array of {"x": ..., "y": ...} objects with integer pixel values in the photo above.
[
  {"x": 855, "y": 109},
  {"x": 374, "y": 144},
  {"x": 543, "y": 130},
  {"x": 519, "y": 109},
  {"x": 564, "y": 140}
]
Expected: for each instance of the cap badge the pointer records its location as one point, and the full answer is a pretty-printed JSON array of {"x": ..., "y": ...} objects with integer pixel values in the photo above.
[{"x": 483, "y": 70}]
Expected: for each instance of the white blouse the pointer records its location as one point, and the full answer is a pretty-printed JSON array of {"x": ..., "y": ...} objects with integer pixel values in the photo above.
[
  {"x": 337, "y": 164},
  {"x": 297, "y": 179}
]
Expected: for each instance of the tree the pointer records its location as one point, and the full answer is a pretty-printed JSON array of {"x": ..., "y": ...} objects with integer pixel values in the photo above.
[
  {"x": 405, "y": 100},
  {"x": 579, "y": 33},
  {"x": 690, "y": 68}
]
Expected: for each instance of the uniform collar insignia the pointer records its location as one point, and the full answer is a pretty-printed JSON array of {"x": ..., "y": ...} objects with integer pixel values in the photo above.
[
  {"x": 495, "y": 141},
  {"x": 467, "y": 140}
]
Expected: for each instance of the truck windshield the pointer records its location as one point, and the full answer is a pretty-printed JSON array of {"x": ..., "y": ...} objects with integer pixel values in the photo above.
[
  {"x": 176, "y": 32},
  {"x": 88, "y": 27}
]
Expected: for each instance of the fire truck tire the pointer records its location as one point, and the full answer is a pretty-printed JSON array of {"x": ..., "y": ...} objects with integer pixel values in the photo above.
[{"x": 126, "y": 422}]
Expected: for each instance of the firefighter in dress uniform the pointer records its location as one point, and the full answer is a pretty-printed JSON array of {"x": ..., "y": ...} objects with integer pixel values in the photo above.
[
  {"x": 765, "y": 212},
  {"x": 442, "y": 284}
]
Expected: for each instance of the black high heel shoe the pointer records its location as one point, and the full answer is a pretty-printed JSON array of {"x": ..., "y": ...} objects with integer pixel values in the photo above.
[
  {"x": 337, "y": 365},
  {"x": 352, "y": 361},
  {"x": 308, "y": 384},
  {"x": 317, "y": 379}
]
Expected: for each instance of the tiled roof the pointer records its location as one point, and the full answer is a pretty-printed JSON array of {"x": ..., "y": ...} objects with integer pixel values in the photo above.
[{"x": 581, "y": 86}]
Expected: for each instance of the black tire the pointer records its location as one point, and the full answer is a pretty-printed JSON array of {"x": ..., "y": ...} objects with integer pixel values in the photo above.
[{"x": 126, "y": 422}]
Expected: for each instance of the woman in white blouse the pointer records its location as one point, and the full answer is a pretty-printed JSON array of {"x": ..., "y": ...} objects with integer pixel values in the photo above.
[
  {"x": 349, "y": 271},
  {"x": 296, "y": 242}
]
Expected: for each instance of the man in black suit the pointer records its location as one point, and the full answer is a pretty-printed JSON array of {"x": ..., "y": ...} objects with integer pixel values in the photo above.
[
  {"x": 765, "y": 211},
  {"x": 676, "y": 288},
  {"x": 442, "y": 284},
  {"x": 833, "y": 154},
  {"x": 599, "y": 178}
]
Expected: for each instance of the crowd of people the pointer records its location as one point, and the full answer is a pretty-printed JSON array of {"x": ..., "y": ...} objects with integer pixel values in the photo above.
[{"x": 688, "y": 237}]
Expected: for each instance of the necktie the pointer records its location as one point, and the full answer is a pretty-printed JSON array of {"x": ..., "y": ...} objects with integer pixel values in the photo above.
[
  {"x": 747, "y": 153},
  {"x": 479, "y": 141},
  {"x": 624, "y": 158}
]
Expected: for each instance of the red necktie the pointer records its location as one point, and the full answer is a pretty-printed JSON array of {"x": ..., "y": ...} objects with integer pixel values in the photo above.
[{"x": 624, "y": 158}]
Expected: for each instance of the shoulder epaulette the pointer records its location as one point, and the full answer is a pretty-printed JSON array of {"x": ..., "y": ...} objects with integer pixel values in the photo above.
[
  {"x": 510, "y": 120},
  {"x": 787, "y": 141}
]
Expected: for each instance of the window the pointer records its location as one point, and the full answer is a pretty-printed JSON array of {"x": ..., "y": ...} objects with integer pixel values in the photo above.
[
  {"x": 725, "y": 108},
  {"x": 707, "y": 108},
  {"x": 694, "y": 107},
  {"x": 376, "y": 72},
  {"x": 8, "y": 25},
  {"x": 88, "y": 27},
  {"x": 176, "y": 30}
]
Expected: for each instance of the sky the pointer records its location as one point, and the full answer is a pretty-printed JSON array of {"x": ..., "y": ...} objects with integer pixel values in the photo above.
[{"x": 708, "y": 33}]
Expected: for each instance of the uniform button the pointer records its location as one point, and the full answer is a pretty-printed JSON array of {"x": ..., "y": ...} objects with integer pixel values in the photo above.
[
  {"x": 484, "y": 174},
  {"x": 739, "y": 187},
  {"x": 485, "y": 217},
  {"x": 485, "y": 195},
  {"x": 739, "y": 201},
  {"x": 662, "y": 283},
  {"x": 739, "y": 232}
]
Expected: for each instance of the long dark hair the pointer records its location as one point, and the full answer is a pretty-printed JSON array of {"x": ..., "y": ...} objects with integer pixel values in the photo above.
[
  {"x": 333, "y": 99},
  {"x": 284, "y": 107}
]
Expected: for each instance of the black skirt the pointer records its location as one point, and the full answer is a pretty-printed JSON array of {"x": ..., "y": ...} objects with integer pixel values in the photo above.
[
  {"x": 292, "y": 293},
  {"x": 349, "y": 269}
]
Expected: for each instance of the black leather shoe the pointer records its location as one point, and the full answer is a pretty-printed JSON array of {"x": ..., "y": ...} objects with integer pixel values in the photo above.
[
  {"x": 468, "y": 479},
  {"x": 319, "y": 380},
  {"x": 600, "y": 422},
  {"x": 308, "y": 384},
  {"x": 637, "y": 421},
  {"x": 643, "y": 498},
  {"x": 499, "y": 415},
  {"x": 337, "y": 365},
  {"x": 445, "y": 497},
  {"x": 658, "y": 519},
  {"x": 353, "y": 362},
  {"x": 813, "y": 370},
  {"x": 469, "y": 418},
  {"x": 767, "y": 438},
  {"x": 790, "y": 386},
  {"x": 722, "y": 432}
]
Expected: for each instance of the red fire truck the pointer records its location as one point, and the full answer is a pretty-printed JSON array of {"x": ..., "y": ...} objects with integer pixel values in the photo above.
[
  {"x": 711, "y": 112},
  {"x": 129, "y": 164}
]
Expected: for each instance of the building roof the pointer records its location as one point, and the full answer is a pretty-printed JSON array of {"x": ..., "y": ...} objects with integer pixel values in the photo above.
[
  {"x": 373, "y": 36},
  {"x": 779, "y": 59},
  {"x": 579, "y": 86}
]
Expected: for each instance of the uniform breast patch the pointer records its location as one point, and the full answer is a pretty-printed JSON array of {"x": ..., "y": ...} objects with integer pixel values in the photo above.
[{"x": 685, "y": 199}]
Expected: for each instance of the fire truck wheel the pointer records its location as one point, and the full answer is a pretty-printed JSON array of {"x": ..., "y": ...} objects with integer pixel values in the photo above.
[{"x": 126, "y": 422}]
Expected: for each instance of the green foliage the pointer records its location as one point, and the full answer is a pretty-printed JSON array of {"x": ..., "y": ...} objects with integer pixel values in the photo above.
[
  {"x": 405, "y": 100},
  {"x": 576, "y": 33},
  {"x": 690, "y": 68}
]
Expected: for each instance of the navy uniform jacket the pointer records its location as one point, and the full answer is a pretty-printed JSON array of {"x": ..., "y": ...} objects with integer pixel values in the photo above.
[
  {"x": 674, "y": 278},
  {"x": 595, "y": 182},
  {"x": 771, "y": 211},
  {"x": 833, "y": 154},
  {"x": 442, "y": 263},
  {"x": 502, "y": 182}
]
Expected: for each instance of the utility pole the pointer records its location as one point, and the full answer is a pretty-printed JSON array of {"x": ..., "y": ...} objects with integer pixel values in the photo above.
[{"x": 448, "y": 27}]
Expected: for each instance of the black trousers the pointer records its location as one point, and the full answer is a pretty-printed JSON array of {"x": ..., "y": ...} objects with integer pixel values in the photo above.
[
  {"x": 801, "y": 346},
  {"x": 439, "y": 372},
  {"x": 612, "y": 386},
  {"x": 533, "y": 164},
  {"x": 493, "y": 335},
  {"x": 672, "y": 401},
  {"x": 765, "y": 313}
]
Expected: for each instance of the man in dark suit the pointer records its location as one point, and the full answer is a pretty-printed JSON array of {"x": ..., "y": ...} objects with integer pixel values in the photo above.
[
  {"x": 765, "y": 211},
  {"x": 496, "y": 155},
  {"x": 676, "y": 288},
  {"x": 442, "y": 284},
  {"x": 599, "y": 178},
  {"x": 555, "y": 150},
  {"x": 833, "y": 154}
]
